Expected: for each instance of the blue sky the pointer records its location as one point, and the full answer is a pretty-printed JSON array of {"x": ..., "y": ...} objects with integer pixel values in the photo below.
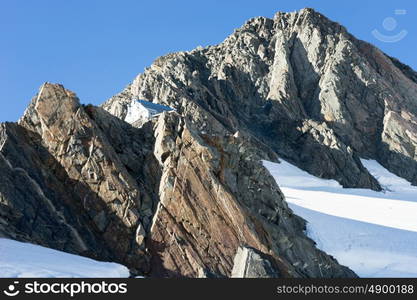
[{"x": 95, "y": 48}]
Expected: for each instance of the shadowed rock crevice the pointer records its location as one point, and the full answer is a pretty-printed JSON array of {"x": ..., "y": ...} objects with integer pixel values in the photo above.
[{"x": 43, "y": 202}]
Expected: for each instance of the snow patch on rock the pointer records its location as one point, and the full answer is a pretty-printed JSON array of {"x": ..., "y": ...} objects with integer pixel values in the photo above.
[{"x": 142, "y": 110}]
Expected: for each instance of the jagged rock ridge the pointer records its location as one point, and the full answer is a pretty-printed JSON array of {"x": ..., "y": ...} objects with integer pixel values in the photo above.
[{"x": 302, "y": 85}]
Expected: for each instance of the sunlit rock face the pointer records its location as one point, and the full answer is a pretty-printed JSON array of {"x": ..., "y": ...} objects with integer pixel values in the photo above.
[{"x": 302, "y": 85}]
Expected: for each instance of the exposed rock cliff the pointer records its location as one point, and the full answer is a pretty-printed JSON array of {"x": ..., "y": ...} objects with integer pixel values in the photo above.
[
  {"x": 89, "y": 178},
  {"x": 305, "y": 87},
  {"x": 215, "y": 195},
  {"x": 166, "y": 199}
]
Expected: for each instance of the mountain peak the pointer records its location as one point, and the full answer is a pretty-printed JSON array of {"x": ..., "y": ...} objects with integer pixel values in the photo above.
[
  {"x": 52, "y": 101},
  {"x": 309, "y": 75},
  {"x": 308, "y": 18}
]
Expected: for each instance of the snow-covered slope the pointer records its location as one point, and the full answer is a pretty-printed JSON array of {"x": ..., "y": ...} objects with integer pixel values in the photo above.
[
  {"x": 27, "y": 260},
  {"x": 136, "y": 111},
  {"x": 144, "y": 110},
  {"x": 374, "y": 233}
]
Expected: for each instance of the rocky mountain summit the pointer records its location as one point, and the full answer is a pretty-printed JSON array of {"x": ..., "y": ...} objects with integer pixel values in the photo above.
[
  {"x": 303, "y": 86},
  {"x": 185, "y": 193}
]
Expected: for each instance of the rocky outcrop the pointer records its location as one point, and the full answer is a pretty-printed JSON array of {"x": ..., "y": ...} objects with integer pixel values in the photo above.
[
  {"x": 215, "y": 195},
  {"x": 34, "y": 199},
  {"x": 302, "y": 85},
  {"x": 91, "y": 171},
  {"x": 248, "y": 263}
]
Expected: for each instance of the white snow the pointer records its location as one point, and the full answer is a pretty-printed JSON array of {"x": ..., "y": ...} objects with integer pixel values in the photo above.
[
  {"x": 19, "y": 259},
  {"x": 373, "y": 233},
  {"x": 136, "y": 111},
  {"x": 144, "y": 110}
]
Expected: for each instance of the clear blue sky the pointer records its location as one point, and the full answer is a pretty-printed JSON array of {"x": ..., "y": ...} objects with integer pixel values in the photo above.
[{"x": 95, "y": 48}]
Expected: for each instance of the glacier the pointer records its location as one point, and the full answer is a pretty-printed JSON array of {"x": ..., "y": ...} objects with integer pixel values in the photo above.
[{"x": 373, "y": 233}]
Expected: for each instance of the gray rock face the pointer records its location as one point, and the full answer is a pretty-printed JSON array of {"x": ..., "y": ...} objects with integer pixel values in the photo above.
[
  {"x": 304, "y": 87},
  {"x": 248, "y": 263},
  {"x": 215, "y": 195}
]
